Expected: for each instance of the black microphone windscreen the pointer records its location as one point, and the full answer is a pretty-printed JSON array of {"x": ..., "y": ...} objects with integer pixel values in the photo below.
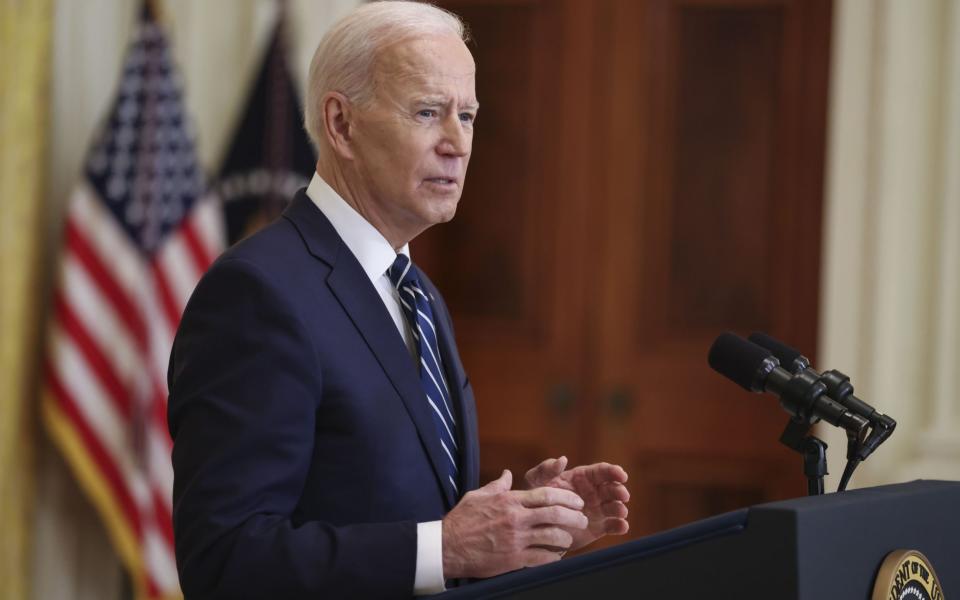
[
  {"x": 784, "y": 353},
  {"x": 737, "y": 359}
]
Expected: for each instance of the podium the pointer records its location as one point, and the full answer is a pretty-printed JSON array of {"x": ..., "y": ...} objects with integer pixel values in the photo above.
[{"x": 812, "y": 548}]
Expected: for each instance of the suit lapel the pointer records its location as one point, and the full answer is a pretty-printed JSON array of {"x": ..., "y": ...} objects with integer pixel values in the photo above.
[{"x": 352, "y": 288}]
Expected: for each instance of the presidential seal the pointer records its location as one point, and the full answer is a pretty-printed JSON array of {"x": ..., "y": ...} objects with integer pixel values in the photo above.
[{"x": 907, "y": 575}]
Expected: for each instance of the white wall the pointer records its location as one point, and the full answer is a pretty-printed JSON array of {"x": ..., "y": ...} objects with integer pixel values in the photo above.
[{"x": 891, "y": 270}]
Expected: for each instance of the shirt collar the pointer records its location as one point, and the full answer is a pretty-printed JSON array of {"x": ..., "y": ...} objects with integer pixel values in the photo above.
[{"x": 368, "y": 245}]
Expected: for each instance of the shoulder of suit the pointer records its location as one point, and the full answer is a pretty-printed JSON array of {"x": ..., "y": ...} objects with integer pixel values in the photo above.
[{"x": 272, "y": 243}]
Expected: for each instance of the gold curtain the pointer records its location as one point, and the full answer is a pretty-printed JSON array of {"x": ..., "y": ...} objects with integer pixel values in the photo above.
[{"x": 25, "y": 29}]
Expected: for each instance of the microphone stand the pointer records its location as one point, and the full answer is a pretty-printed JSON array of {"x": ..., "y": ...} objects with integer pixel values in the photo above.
[
  {"x": 796, "y": 436},
  {"x": 862, "y": 446}
]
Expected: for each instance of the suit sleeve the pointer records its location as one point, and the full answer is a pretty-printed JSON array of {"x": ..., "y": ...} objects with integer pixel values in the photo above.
[{"x": 244, "y": 388}]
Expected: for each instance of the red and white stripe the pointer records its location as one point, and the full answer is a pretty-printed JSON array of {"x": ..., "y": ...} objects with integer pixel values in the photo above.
[{"x": 115, "y": 313}]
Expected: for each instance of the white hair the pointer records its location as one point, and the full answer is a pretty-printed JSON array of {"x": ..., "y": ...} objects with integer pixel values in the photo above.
[{"x": 344, "y": 59}]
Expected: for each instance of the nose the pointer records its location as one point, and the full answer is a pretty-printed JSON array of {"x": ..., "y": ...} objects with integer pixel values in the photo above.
[{"x": 457, "y": 137}]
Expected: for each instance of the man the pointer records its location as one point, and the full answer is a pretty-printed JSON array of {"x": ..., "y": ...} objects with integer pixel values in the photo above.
[{"x": 324, "y": 429}]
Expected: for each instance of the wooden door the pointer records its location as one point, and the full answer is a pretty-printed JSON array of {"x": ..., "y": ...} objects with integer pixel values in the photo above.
[{"x": 716, "y": 112}]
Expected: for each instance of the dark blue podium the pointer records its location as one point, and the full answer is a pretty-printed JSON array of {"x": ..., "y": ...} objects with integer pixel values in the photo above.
[{"x": 814, "y": 548}]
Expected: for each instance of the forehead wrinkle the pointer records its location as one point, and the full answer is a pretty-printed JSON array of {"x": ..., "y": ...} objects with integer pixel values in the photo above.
[
  {"x": 421, "y": 78},
  {"x": 415, "y": 63}
]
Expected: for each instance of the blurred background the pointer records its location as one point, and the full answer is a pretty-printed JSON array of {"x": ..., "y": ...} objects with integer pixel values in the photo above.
[{"x": 646, "y": 174}]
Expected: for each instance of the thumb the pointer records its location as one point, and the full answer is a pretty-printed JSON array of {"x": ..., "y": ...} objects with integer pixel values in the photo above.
[
  {"x": 545, "y": 471},
  {"x": 561, "y": 465},
  {"x": 499, "y": 485}
]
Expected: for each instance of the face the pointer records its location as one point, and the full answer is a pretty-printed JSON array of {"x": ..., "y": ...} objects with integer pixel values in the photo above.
[{"x": 412, "y": 143}]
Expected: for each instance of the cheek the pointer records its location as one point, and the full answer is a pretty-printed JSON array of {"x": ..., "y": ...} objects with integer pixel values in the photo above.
[
  {"x": 404, "y": 159},
  {"x": 395, "y": 167},
  {"x": 415, "y": 164}
]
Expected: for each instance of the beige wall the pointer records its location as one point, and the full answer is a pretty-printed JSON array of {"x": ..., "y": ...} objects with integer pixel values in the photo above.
[
  {"x": 891, "y": 270},
  {"x": 217, "y": 44}
]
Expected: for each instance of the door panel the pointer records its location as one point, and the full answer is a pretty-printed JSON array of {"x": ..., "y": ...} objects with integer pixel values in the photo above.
[{"x": 714, "y": 227}]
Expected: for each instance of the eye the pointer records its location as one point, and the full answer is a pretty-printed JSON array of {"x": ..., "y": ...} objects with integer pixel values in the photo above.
[
  {"x": 427, "y": 113},
  {"x": 467, "y": 117}
]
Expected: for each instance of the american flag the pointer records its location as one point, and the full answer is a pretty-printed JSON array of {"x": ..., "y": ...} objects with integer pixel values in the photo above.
[{"x": 139, "y": 232}]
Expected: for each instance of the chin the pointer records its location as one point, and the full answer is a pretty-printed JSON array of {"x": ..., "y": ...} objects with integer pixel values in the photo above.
[
  {"x": 442, "y": 210},
  {"x": 448, "y": 213}
]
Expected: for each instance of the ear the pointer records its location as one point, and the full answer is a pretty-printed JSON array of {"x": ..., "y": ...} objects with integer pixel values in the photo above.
[{"x": 338, "y": 114}]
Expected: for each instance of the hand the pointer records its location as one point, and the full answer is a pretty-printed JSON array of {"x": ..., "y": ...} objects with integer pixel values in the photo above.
[
  {"x": 493, "y": 530},
  {"x": 601, "y": 488}
]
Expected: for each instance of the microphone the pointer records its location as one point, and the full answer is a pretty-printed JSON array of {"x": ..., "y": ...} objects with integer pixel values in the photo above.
[
  {"x": 838, "y": 388},
  {"x": 789, "y": 357},
  {"x": 756, "y": 369}
]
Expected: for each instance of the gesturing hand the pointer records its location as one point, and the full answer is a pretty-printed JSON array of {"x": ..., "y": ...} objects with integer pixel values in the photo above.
[
  {"x": 493, "y": 530},
  {"x": 600, "y": 486}
]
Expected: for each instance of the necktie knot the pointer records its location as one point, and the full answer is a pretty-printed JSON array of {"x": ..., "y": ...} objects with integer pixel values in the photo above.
[{"x": 401, "y": 272}]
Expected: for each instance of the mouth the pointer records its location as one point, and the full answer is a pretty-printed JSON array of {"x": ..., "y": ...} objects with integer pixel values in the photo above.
[{"x": 444, "y": 181}]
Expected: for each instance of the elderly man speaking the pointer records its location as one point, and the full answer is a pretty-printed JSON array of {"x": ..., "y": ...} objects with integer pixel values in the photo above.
[{"x": 325, "y": 436}]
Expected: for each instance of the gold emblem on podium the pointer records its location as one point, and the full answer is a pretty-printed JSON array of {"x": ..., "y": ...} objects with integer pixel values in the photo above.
[{"x": 907, "y": 575}]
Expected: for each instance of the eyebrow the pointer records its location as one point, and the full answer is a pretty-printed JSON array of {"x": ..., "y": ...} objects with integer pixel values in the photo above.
[{"x": 440, "y": 101}]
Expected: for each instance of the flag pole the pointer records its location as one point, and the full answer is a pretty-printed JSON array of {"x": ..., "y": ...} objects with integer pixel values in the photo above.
[{"x": 156, "y": 11}]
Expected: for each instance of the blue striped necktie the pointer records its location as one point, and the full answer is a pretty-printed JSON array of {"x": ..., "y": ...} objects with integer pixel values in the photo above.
[{"x": 416, "y": 307}]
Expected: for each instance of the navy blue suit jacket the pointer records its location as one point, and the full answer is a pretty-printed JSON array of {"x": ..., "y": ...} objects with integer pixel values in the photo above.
[{"x": 304, "y": 452}]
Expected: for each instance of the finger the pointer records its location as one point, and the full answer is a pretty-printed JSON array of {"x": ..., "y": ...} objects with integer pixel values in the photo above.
[
  {"x": 561, "y": 464},
  {"x": 552, "y": 537},
  {"x": 614, "y": 509},
  {"x": 502, "y": 484},
  {"x": 601, "y": 473},
  {"x": 549, "y": 496},
  {"x": 534, "y": 557},
  {"x": 559, "y": 516},
  {"x": 616, "y": 526},
  {"x": 614, "y": 491},
  {"x": 546, "y": 471},
  {"x": 558, "y": 550}
]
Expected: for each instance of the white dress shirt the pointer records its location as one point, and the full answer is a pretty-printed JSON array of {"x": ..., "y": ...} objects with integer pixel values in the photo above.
[{"x": 376, "y": 255}]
